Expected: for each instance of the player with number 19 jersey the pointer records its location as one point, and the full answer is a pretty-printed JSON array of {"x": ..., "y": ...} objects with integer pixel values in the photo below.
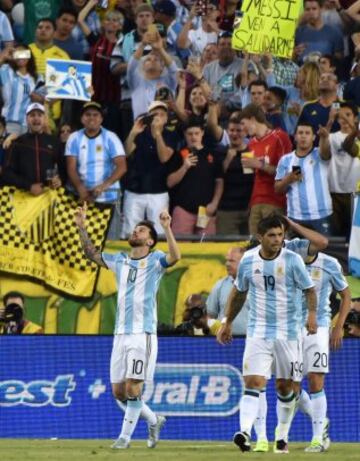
[
  {"x": 274, "y": 293},
  {"x": 138, "y": 282}
]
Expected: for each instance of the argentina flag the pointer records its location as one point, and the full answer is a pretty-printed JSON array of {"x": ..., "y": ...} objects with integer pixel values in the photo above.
[
  {"x": 67, "y": 79},
  {"x": 354, "y": 247}
]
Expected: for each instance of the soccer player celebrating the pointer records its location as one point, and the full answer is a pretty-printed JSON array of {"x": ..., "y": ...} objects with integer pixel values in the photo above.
[
  {"x": 271, "y": 278},
  {"x": 134, "y": 351}
]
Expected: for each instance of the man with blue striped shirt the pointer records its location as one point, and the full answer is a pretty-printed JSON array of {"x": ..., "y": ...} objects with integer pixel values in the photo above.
[
  {"x": 271, "y": 279},
  {"x": 303, "y": 176},
  {"x": 326, "y": 273},
  {"x": 95, "y": 158},
  {"x": 133, "y": 357}
]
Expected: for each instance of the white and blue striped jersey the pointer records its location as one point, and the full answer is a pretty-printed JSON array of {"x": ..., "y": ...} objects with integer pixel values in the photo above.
[
  {"x": 274, "y": 293},
  {"x": 95, "y": 159},
  {"x": 326, "y": 273},
  {"x": 298, "y": 246},
  {"x": 137, "y": 282},
  {"x": 6, "y": 32},
  {"x": 15, "y": 91},
  {"x": 310, "y": 198},
  {"x": 74, "y": 86}
]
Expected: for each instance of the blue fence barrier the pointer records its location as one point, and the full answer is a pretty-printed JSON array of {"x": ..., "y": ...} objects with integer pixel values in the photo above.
[{"x": 58, "y": 386}]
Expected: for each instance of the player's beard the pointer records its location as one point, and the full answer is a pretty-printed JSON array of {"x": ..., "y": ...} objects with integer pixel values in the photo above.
[{"x": 136, "y": 242}]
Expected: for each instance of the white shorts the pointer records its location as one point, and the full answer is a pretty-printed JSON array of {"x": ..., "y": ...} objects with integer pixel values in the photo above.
[
  {"x": 316, "y": 351},
  {"x": 133, "y": 357},
  {"x": 264, "y": 356}
]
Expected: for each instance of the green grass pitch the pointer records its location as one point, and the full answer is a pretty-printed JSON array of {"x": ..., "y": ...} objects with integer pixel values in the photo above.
[{"x": 99, "y": 450}]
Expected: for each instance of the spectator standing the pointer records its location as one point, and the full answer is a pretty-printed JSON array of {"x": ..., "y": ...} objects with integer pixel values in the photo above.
[
  {"x": 344, "y": 168},
  {"x": 303, "y": 176},
  {"x": 95, "y": 158},
  {"x": 315, "y": 36},
  {"x": 106, "y": 85},
  {"x": 65, "y": 23},
  {"x": 273, "y": 105},
  {"x": 217, "y": 299},
  {"x": 318, "y": 113},
  {"x": 145, "y": 75},
  {"x": 207, "y": 32},
  {"x": 195, "y": 180},
  {"x": 233, "y": 213},
  {"x": 17, "y": 82},
  {"x": 148, "y": 148},
  {"x": 224, "y": 71},
  {"x": 6, "y": 32},
  {"x": 43, "y": 48},
  {"x": 32, "y": 155},
  {"x": 267, "y": 146}
]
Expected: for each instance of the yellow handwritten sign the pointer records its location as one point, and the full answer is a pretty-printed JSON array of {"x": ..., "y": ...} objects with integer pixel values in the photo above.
[{"x": 267, "y": 26}]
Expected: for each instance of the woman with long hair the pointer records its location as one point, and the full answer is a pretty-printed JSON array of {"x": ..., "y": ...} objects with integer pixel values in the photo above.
[{"x": 17, "y": 82}]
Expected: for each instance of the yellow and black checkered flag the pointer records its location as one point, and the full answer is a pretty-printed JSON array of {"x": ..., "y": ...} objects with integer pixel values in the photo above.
[{"x": 39, "y": 239}]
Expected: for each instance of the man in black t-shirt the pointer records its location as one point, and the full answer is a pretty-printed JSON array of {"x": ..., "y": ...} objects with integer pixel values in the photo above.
[
  {"x": 149, "y": 146},
  {"x": 195, "y": 180}
]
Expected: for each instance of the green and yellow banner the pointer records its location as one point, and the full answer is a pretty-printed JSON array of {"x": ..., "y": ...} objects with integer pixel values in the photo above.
[
  {"x": 267, "y": 26},
  {"x": 39, "y": 240}
]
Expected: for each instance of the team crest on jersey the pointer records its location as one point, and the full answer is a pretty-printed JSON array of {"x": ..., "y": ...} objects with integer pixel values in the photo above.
[
  {"x": 280, "y": 271},
  {"x": 142, "y": 264},
  {"x": 316, "y": 274},
  {"x": 99, "y": 148}
]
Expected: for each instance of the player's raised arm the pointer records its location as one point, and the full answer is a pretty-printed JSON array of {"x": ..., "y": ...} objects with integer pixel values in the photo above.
[
  {"x": 234, "y": 305},
  {"x": 337, "y": 331},
  {"x": 90, "y": 251},
  {"x": 317, "y": 241},
  {"x": 174, "y": 255}
]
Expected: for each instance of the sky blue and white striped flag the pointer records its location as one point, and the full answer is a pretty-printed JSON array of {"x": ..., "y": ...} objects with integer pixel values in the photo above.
[
  {"x": 68, "y": 79},
  {"x": 354, "y": 247}
]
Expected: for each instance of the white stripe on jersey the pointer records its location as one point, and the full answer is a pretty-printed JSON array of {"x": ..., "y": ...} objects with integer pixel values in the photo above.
[
  {"x": 310, "y": 198},
  {"x": 95, "y": 159},
  {"x": 274, "y": 293},
  {"x": 138, "y": 282}
]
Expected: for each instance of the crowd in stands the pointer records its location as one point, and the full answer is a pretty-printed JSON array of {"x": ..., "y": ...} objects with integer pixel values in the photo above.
[{"x": 180, "y": 119}]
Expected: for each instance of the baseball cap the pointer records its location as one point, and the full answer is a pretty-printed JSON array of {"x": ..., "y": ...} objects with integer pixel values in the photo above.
[
  {"x": 92, "y": 105},
  {"x": 157, "y": 105},
  {"x": 35, "y": 106},
  {"x": 166, "y": 7}
]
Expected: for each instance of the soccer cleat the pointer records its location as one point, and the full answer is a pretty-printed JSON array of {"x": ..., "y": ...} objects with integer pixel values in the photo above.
[
  {"x": 120, "y": 444},
  {"x": 262, "y": 446},
  {"x": 154, "y": 431},
  {"x": 242, "y": 440},
  {"x": 325, "y": 435},
  {"x": 281, "y": 446},
  {"x": 315, "y": 447}
]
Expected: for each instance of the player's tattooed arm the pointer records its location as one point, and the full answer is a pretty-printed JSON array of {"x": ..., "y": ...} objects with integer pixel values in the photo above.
[
  {"x": 91, "y": 252},
  {"x": 235, "y": 303}
]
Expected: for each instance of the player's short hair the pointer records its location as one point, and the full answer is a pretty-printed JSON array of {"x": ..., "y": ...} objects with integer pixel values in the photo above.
[
  {"x": 150, "y": 225},
  {"x": 13, "y": 294},
  {"x": 269, "y": 223}
]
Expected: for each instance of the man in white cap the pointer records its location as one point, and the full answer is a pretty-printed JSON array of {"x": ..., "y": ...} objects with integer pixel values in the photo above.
[
  {"x": 32, "y": 161},
  {"x": 149, "y": 146}
]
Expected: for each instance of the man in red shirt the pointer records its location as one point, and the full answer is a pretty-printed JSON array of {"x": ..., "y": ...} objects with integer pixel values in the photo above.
[{"x": 267, "y": 146}]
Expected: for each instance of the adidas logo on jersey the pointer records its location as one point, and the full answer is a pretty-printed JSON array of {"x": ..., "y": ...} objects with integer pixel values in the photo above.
[{"x": 258, "y": 271}]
